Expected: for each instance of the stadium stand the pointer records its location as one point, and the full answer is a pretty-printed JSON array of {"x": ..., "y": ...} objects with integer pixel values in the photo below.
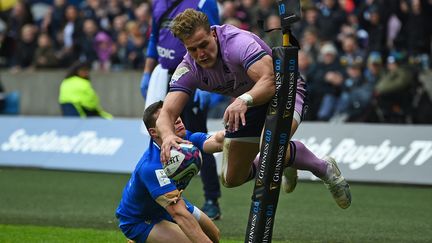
[{"x": 391, "y": 31}]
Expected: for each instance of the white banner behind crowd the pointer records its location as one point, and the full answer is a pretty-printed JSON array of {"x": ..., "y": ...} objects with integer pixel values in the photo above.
[{"x": 365, "y": 152}]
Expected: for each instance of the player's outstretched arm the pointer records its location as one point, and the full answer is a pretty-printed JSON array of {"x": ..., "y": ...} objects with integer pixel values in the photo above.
[
  {"x": 171, "y": 109},
  {"x": 214, "y": 143}
]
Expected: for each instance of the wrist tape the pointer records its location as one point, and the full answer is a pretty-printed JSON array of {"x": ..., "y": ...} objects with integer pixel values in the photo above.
[{"x": 246, "y": 98}]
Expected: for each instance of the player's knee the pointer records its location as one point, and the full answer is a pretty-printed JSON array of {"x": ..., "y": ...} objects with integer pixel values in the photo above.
[
  {"x": 224, "y": 181},
  {"x": 229, "y": 178},
  {"x": 230, "y": 182}
]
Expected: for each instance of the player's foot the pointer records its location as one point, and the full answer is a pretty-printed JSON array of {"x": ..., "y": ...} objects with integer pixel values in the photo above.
[
  {"x": 289, "y": 179},
  {"x": 211, "y": 208},
  {"x": 337, "y": 184}
]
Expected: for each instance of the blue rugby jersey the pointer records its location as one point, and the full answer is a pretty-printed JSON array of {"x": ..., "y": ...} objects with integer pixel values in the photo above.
[{"x": 149, "y": 181}]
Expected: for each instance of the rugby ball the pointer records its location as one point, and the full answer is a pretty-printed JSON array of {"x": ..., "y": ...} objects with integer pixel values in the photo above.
[{"x": 184, "y": 163}]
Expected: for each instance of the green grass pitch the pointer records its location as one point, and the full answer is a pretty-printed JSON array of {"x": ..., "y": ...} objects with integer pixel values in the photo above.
[{"x": 59, "y": 206}]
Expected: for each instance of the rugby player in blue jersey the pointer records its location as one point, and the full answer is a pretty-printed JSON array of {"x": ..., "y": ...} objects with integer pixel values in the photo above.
[{"x": 152, "y": 208}]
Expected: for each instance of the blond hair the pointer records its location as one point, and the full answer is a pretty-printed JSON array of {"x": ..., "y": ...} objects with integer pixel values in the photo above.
[{"x": 185, "y": 24}]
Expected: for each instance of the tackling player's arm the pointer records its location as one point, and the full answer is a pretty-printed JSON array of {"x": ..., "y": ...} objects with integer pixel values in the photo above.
[
  {"x": 214, "y": 143},
  {"x": 176, "y": 207},
  {"x": 208, "y": 143},
  {"x": 171, "y": 109}
]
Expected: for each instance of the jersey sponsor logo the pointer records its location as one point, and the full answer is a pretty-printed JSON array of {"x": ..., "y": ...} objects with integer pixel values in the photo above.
[
  {"x": 162, "y": 177},
  {"x": 179, "y": 72},
  {"x": 165, "y": 52}
]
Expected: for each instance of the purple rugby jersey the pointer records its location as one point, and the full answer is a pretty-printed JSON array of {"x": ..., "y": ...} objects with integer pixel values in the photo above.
[{"x": 239, "y": 49}]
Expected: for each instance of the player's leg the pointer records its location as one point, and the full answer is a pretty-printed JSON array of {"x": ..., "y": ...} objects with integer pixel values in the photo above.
[
  {"x": 289, "y": 176},
  {"x": 166, "y": 231},
  {"x": 237, "y": 166},
  {"x": 241, "y": 147},
  {"x": 153, "y": 231},
  {"x": 326, "y": 169},
  {"x": 209, "y": 228},
  {"x": 298, "y": 156}
]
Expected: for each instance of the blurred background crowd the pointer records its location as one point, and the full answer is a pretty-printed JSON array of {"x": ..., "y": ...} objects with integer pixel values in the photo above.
[{"x": 364, "y": 60}]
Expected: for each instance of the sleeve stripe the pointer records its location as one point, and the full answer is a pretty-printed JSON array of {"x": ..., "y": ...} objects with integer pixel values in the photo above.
[
  {"x": 187, "y": 91},
  {"x": 254, "y": 59}
]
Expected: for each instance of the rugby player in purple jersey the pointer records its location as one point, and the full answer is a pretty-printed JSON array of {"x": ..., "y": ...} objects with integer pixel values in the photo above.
[{"x": 237, "y": 63}]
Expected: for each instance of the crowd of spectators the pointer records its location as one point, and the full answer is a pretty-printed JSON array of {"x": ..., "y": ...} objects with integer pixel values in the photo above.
[
  {"x": 112, "y": 35},
  {"x": 364, "y": 60}
]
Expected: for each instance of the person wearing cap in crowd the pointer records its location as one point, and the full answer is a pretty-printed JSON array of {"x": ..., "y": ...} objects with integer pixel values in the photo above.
[
  {"x": 354, "y": 96},
  {"x": 357, "y": 93},
  {"x": 374, "y": 68},
  {"x": 392, "y": 90},
  {"x": 329, "y": 77}
]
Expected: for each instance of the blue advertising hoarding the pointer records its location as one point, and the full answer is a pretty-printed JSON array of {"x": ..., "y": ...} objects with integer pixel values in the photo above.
[
  {"x": 72, "y": 143},
  {"x": 365, "y": 152}
]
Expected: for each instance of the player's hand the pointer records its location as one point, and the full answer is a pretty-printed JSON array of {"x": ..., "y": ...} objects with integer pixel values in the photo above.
[
  {"x": 145, "y": 80},
  {"x": 169, "y": 142},
  {"x": 234, "y": 114}
]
